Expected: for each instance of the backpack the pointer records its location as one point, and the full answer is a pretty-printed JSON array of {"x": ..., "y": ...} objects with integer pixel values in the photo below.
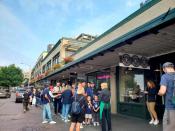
[
  {"x": 26, "y": 96},
  {"x": 76, "y": 107}
]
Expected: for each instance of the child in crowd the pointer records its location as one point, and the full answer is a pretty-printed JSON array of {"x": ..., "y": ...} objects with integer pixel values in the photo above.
[
  {"x": 88, "y": 113},
  {"x": 96, "y": 109}
]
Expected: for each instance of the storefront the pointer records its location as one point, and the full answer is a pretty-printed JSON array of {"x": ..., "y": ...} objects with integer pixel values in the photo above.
[
  {"x": 131, "y": 87},
  {"x": 99, "y": 77},
  {"x": 148, "y": 33}
]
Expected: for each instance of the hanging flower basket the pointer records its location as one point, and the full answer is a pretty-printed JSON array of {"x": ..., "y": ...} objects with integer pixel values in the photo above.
[
  {"x": 68, "y": 59},
  {"x": 48, "y": 72},
  {"x": 57, "y": 66}
]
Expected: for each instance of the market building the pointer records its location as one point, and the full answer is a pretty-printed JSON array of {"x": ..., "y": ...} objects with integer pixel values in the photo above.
[{"x": 125, "y": 56}]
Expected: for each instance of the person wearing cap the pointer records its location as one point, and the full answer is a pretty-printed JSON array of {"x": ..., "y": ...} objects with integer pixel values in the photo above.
[{"x": 167, "y": 88}]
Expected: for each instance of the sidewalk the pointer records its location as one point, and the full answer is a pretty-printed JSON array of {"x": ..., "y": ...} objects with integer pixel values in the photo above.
[{"x": 119, "y": 123}]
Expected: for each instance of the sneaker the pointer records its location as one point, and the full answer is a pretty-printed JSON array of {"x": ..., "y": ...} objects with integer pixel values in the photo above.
[
  {"x": 151, "y": 122},
  {"x": 65, "y": 120},
  {"x": 44, "y": 122},
  {"x": 81, "y": 126},
  {"x": 52, "y": 122},
  {"x": 98, "y": 124},
  {"x": 68, "y": 120},
  {"x": 94, "y": 123},
  {"x": 156, "y": 122}
]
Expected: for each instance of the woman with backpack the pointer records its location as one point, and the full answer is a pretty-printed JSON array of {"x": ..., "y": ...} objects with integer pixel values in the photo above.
[{"x": 78, "y": 109}]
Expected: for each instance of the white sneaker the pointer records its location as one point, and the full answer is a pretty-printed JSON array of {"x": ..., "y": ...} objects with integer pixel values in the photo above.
[
  {"x": 151, "y": 122},
  {"x": 44, "y": 122},
  {"x": 156, "y": 122},
  {"x": 52, "y": 122},
  {"x": 98, "y": 124},
  {"x": 66, "y": 121},
  {"x": 94, "y": 123},
  {"x": 81, "y": 126}
]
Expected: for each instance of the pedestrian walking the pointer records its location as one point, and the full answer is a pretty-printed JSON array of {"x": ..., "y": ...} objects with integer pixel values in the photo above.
[
  {"x": 105, "y": 109},
  {"x": 167, "y": 88},
  {"x": 26, "y": 101}
]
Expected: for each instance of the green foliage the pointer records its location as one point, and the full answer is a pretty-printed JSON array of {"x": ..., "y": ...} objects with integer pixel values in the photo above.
[{"x": 10, "y": 76}]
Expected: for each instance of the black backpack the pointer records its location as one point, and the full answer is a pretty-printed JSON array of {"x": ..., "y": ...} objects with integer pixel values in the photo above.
[
  {"x": 26, "y": 96},
  {"x": 76, "y": 106}
]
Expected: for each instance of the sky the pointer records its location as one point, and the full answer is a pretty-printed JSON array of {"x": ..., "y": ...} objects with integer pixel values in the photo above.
[{"x": 28, "y": 26}]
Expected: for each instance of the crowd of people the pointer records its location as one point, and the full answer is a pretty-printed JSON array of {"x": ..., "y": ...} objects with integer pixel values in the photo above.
[{"x": 81, "y": 104}]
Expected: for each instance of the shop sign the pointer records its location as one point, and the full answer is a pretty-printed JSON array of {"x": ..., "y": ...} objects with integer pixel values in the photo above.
[{"x": 103, "y": 77}]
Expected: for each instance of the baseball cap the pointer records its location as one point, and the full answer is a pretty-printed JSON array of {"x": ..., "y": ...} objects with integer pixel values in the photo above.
[{"x": 168, "y": 64}]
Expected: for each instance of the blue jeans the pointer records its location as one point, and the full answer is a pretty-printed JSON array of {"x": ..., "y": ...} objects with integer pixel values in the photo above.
[
  {"x": 38, "y": 101},
  {"x": 47, "y": 112},
  {"x": 65, "y": 111}
]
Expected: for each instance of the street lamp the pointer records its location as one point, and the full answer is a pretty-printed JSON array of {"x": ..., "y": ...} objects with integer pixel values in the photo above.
[{"x": 29, "y": 72}]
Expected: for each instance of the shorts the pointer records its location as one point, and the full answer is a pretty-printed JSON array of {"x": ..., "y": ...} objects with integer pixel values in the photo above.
[
  {"x": 89, "y": 116},
  {"x": 77, "y": 118}
]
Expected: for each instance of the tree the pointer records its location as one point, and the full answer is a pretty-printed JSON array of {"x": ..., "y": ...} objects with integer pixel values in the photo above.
[{"x": 10, "y": 76}]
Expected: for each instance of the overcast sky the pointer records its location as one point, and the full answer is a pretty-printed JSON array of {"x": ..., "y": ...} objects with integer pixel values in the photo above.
[{"x": 28, "y": 26}]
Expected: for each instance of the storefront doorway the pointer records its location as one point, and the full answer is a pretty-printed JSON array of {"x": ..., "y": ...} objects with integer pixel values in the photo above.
[{"x": 156, "y": 69}]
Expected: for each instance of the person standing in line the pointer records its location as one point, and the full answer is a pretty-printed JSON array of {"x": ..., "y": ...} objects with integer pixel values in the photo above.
[
  {"x": 55, "y": 91},
  {"x": 96, "y": 109},
  {"x": 88, "y": 112},
  {"x": 34, "y": 97},
  {"x": 167, "y": 88},
  {"x": 46, "y": 99},
  {"x": 66, "y": 100},
  {"x": 77, "y": 119},
  {"x": 85, "y": 87},
  {"x": 105, "y": 109},
  {"x": 89, "y": 91},
  {"x": 151, "y": 101},
  {"x": 38, "y": 98}
]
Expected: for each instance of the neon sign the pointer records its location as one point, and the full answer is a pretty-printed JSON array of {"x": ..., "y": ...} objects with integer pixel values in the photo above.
[{"x": 103, "y": 77}]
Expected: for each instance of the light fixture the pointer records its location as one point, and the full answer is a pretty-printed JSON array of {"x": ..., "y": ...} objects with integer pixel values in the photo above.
[
  {"x": 157, "y": 70},
  {"x": 130, "y": 68}
]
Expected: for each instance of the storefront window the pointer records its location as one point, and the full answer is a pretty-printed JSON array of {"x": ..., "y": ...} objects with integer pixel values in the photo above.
[
  {"x": 131, "y": 85},
  {"x": 98, "y": 78},
  {"x": 103, "y": 77}
]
